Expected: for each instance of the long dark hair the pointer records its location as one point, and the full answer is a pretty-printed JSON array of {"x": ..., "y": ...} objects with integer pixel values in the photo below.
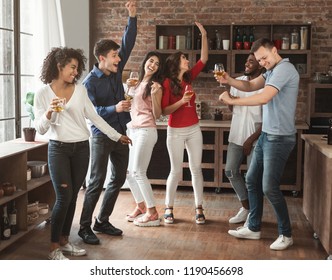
[
  {"x": 172, "y": 72},
  {"x": 156, "y": 77},
  {"x": 62, "y": 56}
]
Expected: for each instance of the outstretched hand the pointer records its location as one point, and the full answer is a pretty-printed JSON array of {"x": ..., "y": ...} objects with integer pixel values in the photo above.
[{"x": 131, "y": 7}]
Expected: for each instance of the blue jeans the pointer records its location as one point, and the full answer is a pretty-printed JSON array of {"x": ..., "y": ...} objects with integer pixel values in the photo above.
[
  {"x": 102, "y": 150},
  {"x": 234, "y": 160},
  {"x": 68, "y": 165},
  {"x": 263, "y": 178}
]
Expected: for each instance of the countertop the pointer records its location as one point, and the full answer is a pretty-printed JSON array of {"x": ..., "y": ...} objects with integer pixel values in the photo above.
[
  {"x": 319, "y": 143},
  {"x": 227, "y": 124}
]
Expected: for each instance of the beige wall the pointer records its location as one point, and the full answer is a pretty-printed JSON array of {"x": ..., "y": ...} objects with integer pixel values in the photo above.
[{"x": 108, "y": 19}]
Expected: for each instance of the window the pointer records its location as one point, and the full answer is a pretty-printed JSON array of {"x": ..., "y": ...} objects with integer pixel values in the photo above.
[{"x": 17, "y": 30}]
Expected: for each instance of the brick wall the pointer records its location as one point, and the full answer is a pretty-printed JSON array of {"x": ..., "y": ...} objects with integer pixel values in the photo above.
[{"x": 108, "y": 18}]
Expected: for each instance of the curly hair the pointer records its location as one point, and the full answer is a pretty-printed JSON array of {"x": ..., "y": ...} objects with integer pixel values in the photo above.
[
  {"x": 61, "y": 56},
  {"x": 156, "y": 77},
  {"x": 172, "y": 72}
]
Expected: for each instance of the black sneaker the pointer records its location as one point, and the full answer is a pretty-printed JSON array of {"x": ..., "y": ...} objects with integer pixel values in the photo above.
[
  {"x": 107, "y": 227},
  {"x": 88, "y": 236}
]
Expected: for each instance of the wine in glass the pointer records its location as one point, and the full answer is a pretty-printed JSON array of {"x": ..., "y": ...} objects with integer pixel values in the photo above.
[
  {"x": 188, "y": 91},
  {"x": 219, "y": 70},
  {"x": 60, "y": 106}
]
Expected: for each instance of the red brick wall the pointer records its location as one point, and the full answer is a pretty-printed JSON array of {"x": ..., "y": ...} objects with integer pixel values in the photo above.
[{"x": 108, "y": 18}]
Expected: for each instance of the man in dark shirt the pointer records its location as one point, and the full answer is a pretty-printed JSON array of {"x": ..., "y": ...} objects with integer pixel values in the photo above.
[{"x": 105, "y": 89}]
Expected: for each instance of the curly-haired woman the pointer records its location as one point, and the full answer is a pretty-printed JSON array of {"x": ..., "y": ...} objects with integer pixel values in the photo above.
[{"x": 68, "y": 149}]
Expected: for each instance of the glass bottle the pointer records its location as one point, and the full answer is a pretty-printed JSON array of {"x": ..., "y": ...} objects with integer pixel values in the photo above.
[
  {"x": 329, "y": 133},
  {"x": 218, "y": 40},
  {"x": 244, "y": 35},
  {"x": 188, "y": 39},
  {"x": 238, "y": 37},
  {"x": 198, "y": 41},
  {"x": 13, "y": 219},
  {"x": 294, "y": 42},
  {"x": 5, "y": 226},
  {"x": 251, "y": 35}
]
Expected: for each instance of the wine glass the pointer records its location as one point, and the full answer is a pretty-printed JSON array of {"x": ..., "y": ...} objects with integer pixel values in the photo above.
[
  {"x": 131, "y": 82},
  {"x": 60, "y": 106},
  {"x": 219, "y": 70},
  {"x": 188, "y": 91}
]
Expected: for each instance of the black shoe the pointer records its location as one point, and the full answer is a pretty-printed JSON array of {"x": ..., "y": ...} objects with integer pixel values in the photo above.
[
  {"x": 88, "y": 236},
  {"x": 107, "y": 227}
]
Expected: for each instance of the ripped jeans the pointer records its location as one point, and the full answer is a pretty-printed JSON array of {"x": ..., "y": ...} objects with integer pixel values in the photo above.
[{"x": 68, "y": 165}]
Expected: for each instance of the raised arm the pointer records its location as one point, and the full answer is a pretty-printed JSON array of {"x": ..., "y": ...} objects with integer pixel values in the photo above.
[{"x": 204, "y": 47}]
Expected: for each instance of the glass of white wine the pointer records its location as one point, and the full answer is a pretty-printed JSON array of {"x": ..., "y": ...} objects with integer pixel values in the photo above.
[
  {"x": 219, "y": 70},
  {"x": 60, "y": 106},
  {"x": 188, "y": 91},
  {"x": 131, "y": 82}
]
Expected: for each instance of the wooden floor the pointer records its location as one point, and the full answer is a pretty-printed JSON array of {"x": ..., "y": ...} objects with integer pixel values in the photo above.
[{"x": 183, "y": 240}]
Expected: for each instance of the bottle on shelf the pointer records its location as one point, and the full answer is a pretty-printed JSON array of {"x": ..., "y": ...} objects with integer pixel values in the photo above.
[
  {"x": 198, "y": 41},
  {"x": 218, "y": 40},
  {"x": 13, "y": 219},
  {"x": 5, "y": 225},
  {"x": 329, "y": 133},
  {"x": 238, "y": 39},
  {"x": 251, "y": 35},
  {"x": 188, "y": 39},
  {"x": 244, "y": 35}
]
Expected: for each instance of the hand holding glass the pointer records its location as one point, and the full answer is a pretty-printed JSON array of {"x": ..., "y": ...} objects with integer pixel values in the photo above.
[
  {"x": 219, "y": 70},
  {"x": 131, "y": 82},
  {"x": 188, "y": 91},
  {"x": 60, "y": 106}
]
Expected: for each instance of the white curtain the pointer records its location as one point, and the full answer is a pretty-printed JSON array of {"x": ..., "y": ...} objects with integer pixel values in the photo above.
[{"x": 49, "y": 30}]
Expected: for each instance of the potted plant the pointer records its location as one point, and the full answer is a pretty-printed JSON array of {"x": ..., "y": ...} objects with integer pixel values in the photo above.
[{"x": 29, "y": 132}]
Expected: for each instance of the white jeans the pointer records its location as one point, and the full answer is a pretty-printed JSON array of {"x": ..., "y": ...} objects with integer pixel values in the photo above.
[
  {"x": 177, "y": 139},
  {"x": 144, "y": 140}
]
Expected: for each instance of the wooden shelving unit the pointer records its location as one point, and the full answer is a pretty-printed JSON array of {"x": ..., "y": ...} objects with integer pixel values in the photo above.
[{"x": 13, "y": 168}]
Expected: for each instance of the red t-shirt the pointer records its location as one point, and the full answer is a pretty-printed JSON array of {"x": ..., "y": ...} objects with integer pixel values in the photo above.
[{"x": 184, "y": 116}]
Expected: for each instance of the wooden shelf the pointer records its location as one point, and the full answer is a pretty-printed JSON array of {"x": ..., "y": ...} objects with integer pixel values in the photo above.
[{"x": 13, "y": 168}]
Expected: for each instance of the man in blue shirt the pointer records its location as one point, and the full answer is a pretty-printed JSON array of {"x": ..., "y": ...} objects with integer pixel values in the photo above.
[
  {"x": 105, "y": 89},
  {"x": 280, "y": 86}
]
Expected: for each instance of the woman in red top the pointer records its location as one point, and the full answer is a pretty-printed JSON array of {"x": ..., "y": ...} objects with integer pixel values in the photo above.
[{"x": 183, "y": 129}]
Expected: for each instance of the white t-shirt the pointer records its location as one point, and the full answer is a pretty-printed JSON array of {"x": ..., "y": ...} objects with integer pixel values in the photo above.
[
  {"x": 73, "y": 126},
  {"x": 245, "y": 119}
]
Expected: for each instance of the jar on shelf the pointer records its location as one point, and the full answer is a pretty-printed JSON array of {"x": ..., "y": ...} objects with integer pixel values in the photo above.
[
  {"x": 285, "y": 43},
  {"x": 304, "y": 37},
  {"x": 294, "y": 42},
  {"x": 329, "y": 70}
]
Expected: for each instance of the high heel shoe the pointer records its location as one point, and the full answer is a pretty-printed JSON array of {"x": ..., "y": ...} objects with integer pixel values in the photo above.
[
  {"x": 200, "y": 217},
  {"x": 169, "y": 217},
  {"x": 138, "y": 212}
]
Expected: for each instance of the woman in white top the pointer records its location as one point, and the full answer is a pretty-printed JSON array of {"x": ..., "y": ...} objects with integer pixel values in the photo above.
[
  {"x": 68, "y": 149},
  {"x": 145, "y": 109}
]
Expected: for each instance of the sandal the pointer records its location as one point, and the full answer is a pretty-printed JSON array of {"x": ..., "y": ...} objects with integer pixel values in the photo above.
[
  {"x": 200, "y": 217},
  {"x": 138, "y": 212},
  {"x": 169, "y": 217},
  {"x": 148, "y": 221}
]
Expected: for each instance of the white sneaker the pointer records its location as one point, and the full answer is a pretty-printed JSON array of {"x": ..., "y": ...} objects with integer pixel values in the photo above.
[
  {"x": 73, "y": 250},
  {"x": 57, "y": 255},
  {"x": 240, "y": 217},
  {"x": 281, "y": 243},
  {"x": 245, "y": 232}
]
